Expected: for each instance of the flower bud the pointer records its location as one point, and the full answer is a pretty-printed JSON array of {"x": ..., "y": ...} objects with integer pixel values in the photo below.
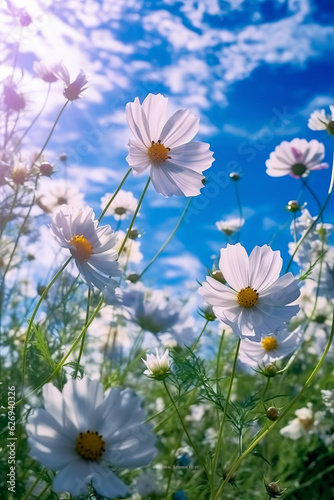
[
  {"x": 133, "y": 234},
  {"x": 273, "y": 413},
  {"x": 25, "y": 18},
  {"x": 330, "y": 127},
  {"x": 226, "y": 471},
  {"x": 46, "y": 169},
  {"x": 133, "y": 277},
  {"x": 273, "y": 489},
  {"x": 293, "y": 206},
  {"x": 235, "y": 176},
  {"x": 270, "y": 370},
  {"x": 41, "y": 289},
  {"x": 63, "y": 157}
]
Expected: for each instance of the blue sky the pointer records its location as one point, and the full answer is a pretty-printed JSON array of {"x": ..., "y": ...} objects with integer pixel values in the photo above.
[{"x": 252, "y": 70}]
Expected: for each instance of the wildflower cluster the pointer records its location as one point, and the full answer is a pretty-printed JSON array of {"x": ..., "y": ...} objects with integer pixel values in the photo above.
[{"x": 127, "y": 388}]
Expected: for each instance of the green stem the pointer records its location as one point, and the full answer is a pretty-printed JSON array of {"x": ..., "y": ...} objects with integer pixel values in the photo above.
[
  {"x": 47, "y": 288},
  {"x": 34, "y": 120},
  {"x": 51, "y": 132},
  {"x": 134, "y": 215},
  {"x": 65, "y": 357},
  {"x": 312, "y": 193},
  {"x": 186, "y": 432},
  {"x": 114, "y": 195},
  {"x": 267, "y": 429},
  {"x": 84, "y": 335},
  {"x": 31, "y": 489},
  {"x": 193, "y": 347},
  {"x": 169, "y": 239},
  {"x": 309, "y": 229},
  {"x": 220, "y": 435}
]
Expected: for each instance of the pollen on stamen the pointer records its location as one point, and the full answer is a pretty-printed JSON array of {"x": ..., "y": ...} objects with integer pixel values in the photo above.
[
  {"x": 157, "y": 152},
  {"x": 83, "y": 249},
  {"x": 90, "y": 445},
  {"x": 269, "y": 343},
  {"x": 247, "y": 297}
]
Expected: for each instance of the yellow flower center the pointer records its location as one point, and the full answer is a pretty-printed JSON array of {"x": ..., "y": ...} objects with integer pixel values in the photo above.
[
  {"x": 247, "y": 297},
  {"x": 83, "y": 249},
  {"x": 157, "y": 152},
  {"x": 269, "y": 343},
  {"x": 90, "y": 445}
]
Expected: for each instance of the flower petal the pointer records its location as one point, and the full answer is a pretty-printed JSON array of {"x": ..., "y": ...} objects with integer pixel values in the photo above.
[
  {"x": 264, "y": 267},
  {"x": 181, "y": 127},
  {"x": 155, "y": 108},
  {"x": 234, "y": 265}
]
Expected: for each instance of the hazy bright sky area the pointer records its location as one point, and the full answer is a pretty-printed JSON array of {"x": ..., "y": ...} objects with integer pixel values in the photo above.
[{"x": 252, "y": 70}]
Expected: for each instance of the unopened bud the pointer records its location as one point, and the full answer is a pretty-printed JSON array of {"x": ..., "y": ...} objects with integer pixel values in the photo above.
[
  {"x": 273, "y": 489},
  {"x": 235, "y": 176},
  {"x": 133, "y": 234},
  {"x": 293, "y": 206},
  {"x": 46, "y": 169},
  {"x": 330, "y": 127},
  {"x": 270, "y": 370},
  {"x": 226, "y": 471},
  {"x": 25, "y": 19},
  {"x": 41, "y": 289},
  {"x": 273, "y": 413},
  {"x": 63, "y": 157},
  {"x": 134, "y": 277}
]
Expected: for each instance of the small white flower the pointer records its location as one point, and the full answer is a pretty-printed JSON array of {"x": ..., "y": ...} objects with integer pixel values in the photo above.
[
  {"x": 157, "y": 366},
  {"x": 123, "y": 205},
  {"x": 92, "y": 247},
  {"x": 271, "y": 348},
  {"x": 306, "y": 423},
  {"x": 55, "y": 193},
  {"x": 81, "y": 431},
  {"x": 164, "y": 146},
  {"x": 131, "y": 251},
  {"x": 230, "y": 226},
  {"x": 320, "y": 121},
  {"x": 296, "y": 158},
  {"x": 257, "y": 301}
]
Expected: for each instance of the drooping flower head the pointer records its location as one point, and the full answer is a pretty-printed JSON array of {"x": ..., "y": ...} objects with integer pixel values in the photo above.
[
  {"x": 72, "y": 90},
  {"x": 91, "y": 246},
  {"x": 271, "y": 348},
  {"x": 163, "y": 146},
  {"x": 46, "y": 73},
  {"x": 319, "y": 120},
  {"x": 81, "y": 431},
  {"x": 123, "y": 205},
  {"x": 296, "y": 158},
  {"x": 257, "y": 300}
]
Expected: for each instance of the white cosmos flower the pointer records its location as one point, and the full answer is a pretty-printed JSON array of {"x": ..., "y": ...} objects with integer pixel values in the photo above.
[
  {"x": 92, "y": 247},
  {"x": 81, "y": 431},
  {"x": 257, "y": 300},
  {"x": 157, "y": 365},
  {"x": 328, "y": 399},
  {"x": 230, "y": 226},
  {"x": 271, "y": 348},
  {"x": 319, "y": 120},
  {"x": 123, "y": 205},
  {"x": 55, "y": 193},
  {"x": 307, "y": 422},
  {"x": 164, "y": 146},
  {"x": 296, "y": 158}
]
